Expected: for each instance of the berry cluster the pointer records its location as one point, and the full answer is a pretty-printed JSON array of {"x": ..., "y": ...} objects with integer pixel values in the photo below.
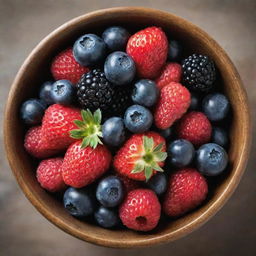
[{"x": 140, "y": 128}]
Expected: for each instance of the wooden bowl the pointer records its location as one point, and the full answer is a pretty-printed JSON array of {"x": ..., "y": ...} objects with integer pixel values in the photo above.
[{"x": 35, "y": 70}]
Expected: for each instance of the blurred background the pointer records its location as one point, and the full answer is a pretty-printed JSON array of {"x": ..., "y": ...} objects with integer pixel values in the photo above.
[{"x": 23, "y": 231}]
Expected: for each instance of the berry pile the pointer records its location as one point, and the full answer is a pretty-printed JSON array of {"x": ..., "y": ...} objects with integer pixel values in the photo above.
[{"x": 128, "y": 130}]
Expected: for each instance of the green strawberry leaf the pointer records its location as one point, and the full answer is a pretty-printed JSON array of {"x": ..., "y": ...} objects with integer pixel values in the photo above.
[
  {"x": 150, "y": 159},
  {"x": 148, "y": 143},
  {"x": 89, "y": 128}
]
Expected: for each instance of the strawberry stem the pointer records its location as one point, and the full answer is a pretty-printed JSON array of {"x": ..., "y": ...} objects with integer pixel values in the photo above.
[
  {"x": 150, "y": 159},
  {"x": 89, "y": 128}
]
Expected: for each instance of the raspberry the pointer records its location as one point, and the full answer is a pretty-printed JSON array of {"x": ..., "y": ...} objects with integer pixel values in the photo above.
[
  {"x": 64, "y": 66},
  {"x": 49, "y": 175},
  {"x": 173, "y": 102},
  {"x": 187, "y": 189},
  {"x": 140, "y": 210},
  {"x": 195, "y": 127},
  {"x": 170, "y": 73},
  {"x": 36, "y": 146}
]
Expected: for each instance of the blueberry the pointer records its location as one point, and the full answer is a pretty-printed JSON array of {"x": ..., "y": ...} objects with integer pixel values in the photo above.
[
  {"x": 181, "y": 153},
  {"x": 219, "y": 136},
  {"x": 195, "y": 101},
  {"x": 116, "y": 38},
  {"x": 45, "y": 92},
  {"x": 32, "y": 111},
  {"x": 89, "y": 50},
  {"x": 138, "y": 119},
  {"x": 113, "y": 131},
  {"x": 106, "y": 218},
  {"x": 119, "y": 68},
  {"x": 145, "y": 93},
  {"x": 63, "y": 92},
  {"x": 216, "y": 106},
  {"x": 175, "y": 51},
  {"x": 158, "y": 183},
  {"x": 78, "y": 202},
  {"x": 166, "y": 133},
  {"x": 110, "y": 191},
  {"x": 211, "y": 159}
]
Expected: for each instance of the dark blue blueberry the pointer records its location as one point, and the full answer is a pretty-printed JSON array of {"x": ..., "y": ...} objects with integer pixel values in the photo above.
[
  {"x": 145, "y": 93},
  {"x": 45, "y": 92},
  {"x": 119, "y": 68},
  {"x": 166, "y": 133},
  {"x": 181, "y": 153},
  {"x": 89, "y": 50},
  {"x": 32, "y": 111},
  {"x": 113, "y": 131},
  {"x": 78, "y": 202},
  {"x": 138, "y": 119},
  {"x": 175, "y": 51},
  {"x": 110, "y": 191},
  {"x": 195, "y": 101},
  {"x": 63, "y": 92},
  {"x": 219, "y": 136},
  {"x": 116, "y": 38},
  {"x": 216, "y": 106},
  {"x": 106, "y": 218},
  {"x": 211, "y": 159},
  {"x": 158, "y": 183}
]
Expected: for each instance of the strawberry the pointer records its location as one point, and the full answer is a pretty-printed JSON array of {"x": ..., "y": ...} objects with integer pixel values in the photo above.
[
  {"x": 57, "y": 123},
  {"x": 49, "y": 176},
  {"x": 173, "y": 102},
  {"x": 64, "y": 66},
  {"x": 83, "y": 165},
  {"x": 86, "y": 160},
  {"x": 171, "y": 72},
  {"x": 35, "y": 146},
  {"x": 149, "y": 49},
  {"x": 187, "y": 189},
  {"x": 141, "y": 156},
  {"x": 140, "y": 210},
  {"x": 195, "y": 127}
]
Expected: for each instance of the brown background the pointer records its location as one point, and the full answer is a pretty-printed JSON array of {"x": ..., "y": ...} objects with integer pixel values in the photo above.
[{"x": 23, "y": 231}]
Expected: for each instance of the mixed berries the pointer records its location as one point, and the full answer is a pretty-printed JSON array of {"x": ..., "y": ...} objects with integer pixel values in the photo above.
[{"x": 129, "y": 129}]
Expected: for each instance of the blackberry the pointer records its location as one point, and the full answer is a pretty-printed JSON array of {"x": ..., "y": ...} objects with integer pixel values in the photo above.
[
  {"x": 198, "y": 73},
  {"x": 95, "y": 91},
  {"x": 121, "y": 101}
]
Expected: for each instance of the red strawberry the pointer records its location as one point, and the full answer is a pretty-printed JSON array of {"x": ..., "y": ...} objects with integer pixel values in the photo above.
[
  {"x": 57, "y": 123},
  {"x": 85, "y": 160},
  {"x": 148, "y": 48},
  {"x": 49, "y": 176},
  {"x": 129, "y": 184},
  {"x": 187, "y": 189},
  {"x": 82, "y": 166},
  {"x": 140, "y": 210},
  {"x": 64, "y": 66},
  {"x": 171, "y": 72},
  {"x": 195, "y": 127},
  {"x": 141, "y": 156},
  {"x": 173, "y": 102},
  {"x": 35, "y": 146}
]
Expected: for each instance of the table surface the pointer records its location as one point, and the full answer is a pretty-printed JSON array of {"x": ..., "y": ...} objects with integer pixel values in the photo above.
[{"x": 23, "y": 231}]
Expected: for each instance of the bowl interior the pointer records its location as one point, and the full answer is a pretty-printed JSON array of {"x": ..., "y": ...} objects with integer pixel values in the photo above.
[{"x": 36, "y": 70}]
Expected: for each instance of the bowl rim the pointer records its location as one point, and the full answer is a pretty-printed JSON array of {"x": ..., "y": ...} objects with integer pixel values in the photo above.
[{"x": 107, "y": 241}]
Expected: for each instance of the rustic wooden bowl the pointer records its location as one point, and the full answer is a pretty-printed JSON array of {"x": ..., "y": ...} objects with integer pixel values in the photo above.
[{"x": 35, "y": 69}]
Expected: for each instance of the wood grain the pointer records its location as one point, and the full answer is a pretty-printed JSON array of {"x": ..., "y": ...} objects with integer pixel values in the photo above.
[{"x": 36, "y": 68}]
